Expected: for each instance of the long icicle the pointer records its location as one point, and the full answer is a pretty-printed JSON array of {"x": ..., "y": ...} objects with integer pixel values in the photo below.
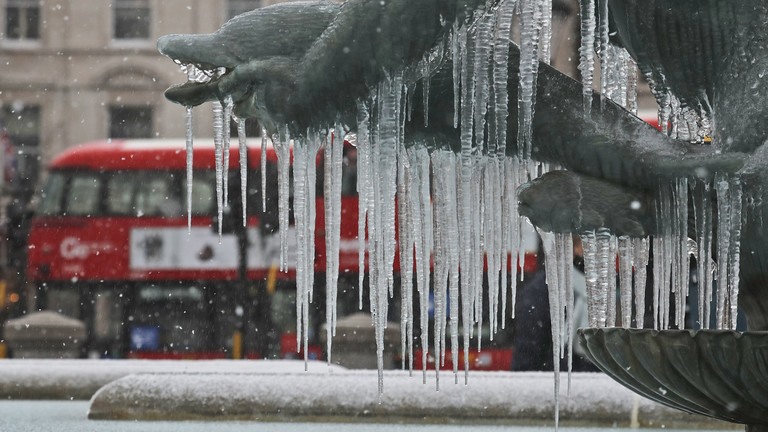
[
  {"x": 218, "y": 142},
  {"x": 228, "y": 105},
  {"x": 734, "y": 253},
  {"x": 243, "y": 148},
  {"x": 190, "y": 162},
  {"x": 554, "y": 285},
  {"x": 587, "y": 51},
  {"x": 264, "y": 169},
  {"x": 283, "y": 150}
]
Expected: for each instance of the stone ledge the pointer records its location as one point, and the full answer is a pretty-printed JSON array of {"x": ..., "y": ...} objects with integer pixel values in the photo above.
[
  {"x": 80, "y": 378},
  {"x": 341, "y": 395}
]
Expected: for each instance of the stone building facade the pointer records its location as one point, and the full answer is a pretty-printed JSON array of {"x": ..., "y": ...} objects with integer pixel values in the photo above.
[{"x": 74, "y": 71}]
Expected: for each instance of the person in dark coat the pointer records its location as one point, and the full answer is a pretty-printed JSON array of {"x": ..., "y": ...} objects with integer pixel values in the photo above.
[{"x": 533, "y": 329}]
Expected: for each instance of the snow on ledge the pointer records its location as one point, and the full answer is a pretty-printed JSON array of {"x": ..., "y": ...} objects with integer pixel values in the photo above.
[
  {"x": 345, "y": 395},
  {"x": 80, "y": 379},
  {"x": 282, "y": 390}
]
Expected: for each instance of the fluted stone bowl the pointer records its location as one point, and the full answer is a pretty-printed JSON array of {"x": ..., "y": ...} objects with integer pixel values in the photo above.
[{"x": 716, "y": 373}]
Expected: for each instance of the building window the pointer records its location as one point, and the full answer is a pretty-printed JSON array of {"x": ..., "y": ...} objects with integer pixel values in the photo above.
[
  {"x": 131, "y": 19},
  {"x": 236, "y": 7},
  {"x": 130, "y": 121},
  {"x": 22, "y": 20},
  {"x": 21, "y": 164}
]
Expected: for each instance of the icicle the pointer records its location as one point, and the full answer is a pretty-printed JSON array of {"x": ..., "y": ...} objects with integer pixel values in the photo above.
[
  {"x": 734, "y": 252},
  {"x": 477, "y": 248},
  {"x": 664, "y": 257},
  {"x": 363, "y": 171},
  {"x": 465, "y": 192},
  {"x": 283, "y": 150},
  {"x": 408, "y": 251},
  {"x": 264, "y": 169},
  {"x": 453, "y": 247},
  {"x": 606, "y": 261},
  {"x": 338, "y": 150},
  {"x": 441, "y": 263},
  {"x": 546, "y": 30},
  {"x": 640, "y": 249},
  {"x": 566, "y": 263},
  {"x": 499, "y": 261},
  {"x": 424, "y": 248},
  {"x": 611, "y": 281},
  {"x": 228, "y": 104},
  {"x": 529, "y": 66},
  {"x": 488, "y": 237},
  {"x": 605, "y": 52},
  {"x": 458, "y": 49},
  {"x": 505, "y": 15},
  {"x": 592, "y": 277},
  {"x": 631, "y": 85},
  {"x": 723, "y": 248},
  {"x": 683, "y": 260},
  {"x": 304, "y": 176},
  {"x": 388, "y": 135},
  {"x": 333, "y": 154},
  {"x": 300, "y": 212},
  {"x": 425, "y": 83},
  {"x": 658, "y": 280},
  {"x": 482, "y": 58},
  {"x": 586, "y": 51},
  {"x": 705, "y": 268},
  {"x": 554, "y": 286},
  {"x": 513, "y": 225},
  {"x": 421, "y": 216},
  {"x": 190, "y": 158},
  {"x": 218, "y": 142},
  {"x": 626, "y": 255},
  {"x": 406, "y": 232},
  {"x": 243, "y": 147}
]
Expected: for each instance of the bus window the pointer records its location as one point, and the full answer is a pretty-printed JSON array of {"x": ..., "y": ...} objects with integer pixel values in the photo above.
[
  {"x": 155, "y": 197},
  {"x": 120, "y": 194},
  {"x": 50, "y": 199},
  {"x": 83, "y": 195},
  {"x": 142, "y": 194}
]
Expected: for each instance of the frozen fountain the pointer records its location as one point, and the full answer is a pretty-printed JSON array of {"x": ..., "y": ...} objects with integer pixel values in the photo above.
[
  {"x": 425, "y": 86},
  {"x": 709, "y": 58}
]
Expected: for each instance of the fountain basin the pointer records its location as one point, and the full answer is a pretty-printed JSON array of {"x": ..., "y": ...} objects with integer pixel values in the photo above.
[{"x": 717, "y": 373}]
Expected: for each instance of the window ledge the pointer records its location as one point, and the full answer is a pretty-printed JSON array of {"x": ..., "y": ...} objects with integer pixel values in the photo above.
[
  {"x": 132, "y": 43},
  {"x": 21, "y": 44}
]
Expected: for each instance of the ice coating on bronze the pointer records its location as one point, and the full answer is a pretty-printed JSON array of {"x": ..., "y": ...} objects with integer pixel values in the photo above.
[
  {"x": 287, "y": 63},
  {"x": 712, "y": 55},
  {"x": 252, "y": 35},
  {"x": 563, "y": 201}
]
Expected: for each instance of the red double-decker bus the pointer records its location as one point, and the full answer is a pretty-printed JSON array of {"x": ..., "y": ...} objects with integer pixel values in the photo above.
[{"x": 110, "y": 244}]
